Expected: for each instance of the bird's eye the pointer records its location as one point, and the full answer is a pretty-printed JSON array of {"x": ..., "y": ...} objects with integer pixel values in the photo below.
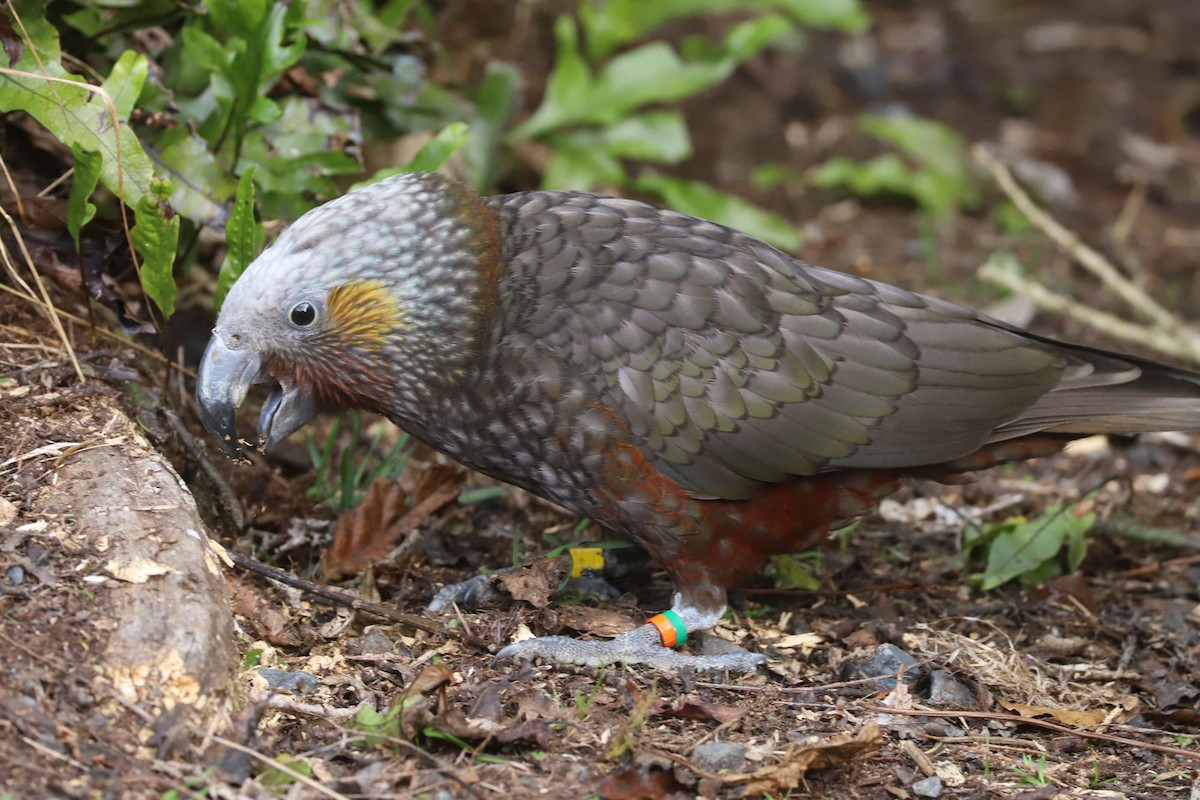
[{"x": 302, "y": 315}]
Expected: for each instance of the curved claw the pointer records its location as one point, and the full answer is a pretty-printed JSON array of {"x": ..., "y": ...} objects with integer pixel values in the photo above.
[
  {"x": 470, "y": 593},
  {"x": 639, "y": 646}
]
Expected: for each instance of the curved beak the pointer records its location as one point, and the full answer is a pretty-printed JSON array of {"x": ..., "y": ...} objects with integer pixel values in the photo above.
[{"x": 224, "y": 378}]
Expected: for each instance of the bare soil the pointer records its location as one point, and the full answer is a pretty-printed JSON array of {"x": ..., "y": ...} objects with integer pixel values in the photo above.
[{"x": 1084, "y": 686}]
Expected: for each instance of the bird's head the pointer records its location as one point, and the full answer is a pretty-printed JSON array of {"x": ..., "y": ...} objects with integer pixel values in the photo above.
[{"x": 371, "y": 301}]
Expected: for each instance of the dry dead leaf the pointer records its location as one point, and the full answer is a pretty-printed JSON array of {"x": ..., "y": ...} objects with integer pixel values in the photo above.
[
  {"x": 696, "y": 710},
  {"x": 597, "y": 621},
  {"x": 787, "y": 774},
  {"x": 534, "y": 582},
  {"x": 1067, "y": 716},
  {"x": 367, "y": 533},
  {"x": 530, "y": 731},
  {"x": 640, "y": 783},
  {"x": 435, "y": 676},
  {"x": 266, "y": 622}
]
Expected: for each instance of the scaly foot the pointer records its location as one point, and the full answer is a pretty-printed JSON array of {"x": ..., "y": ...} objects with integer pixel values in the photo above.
[{"x": 652, "y": 644}]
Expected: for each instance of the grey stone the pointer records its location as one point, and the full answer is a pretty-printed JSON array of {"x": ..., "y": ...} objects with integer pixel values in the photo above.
[
  {"x": 928, "y": 787},
  {"x": 293, "y": 682},
  {"x": 946, "y": 690},
  {"x": 716, "y": 756},
  {"x": 888, "y": 660}
]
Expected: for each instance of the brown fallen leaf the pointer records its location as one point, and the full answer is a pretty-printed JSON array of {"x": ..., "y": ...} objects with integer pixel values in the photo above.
[
  {"x": 1073, "y": 584},
  {"x": 435, "y": 676},
  {"x": 367, "y": 533},
  {"x": 799, "y": 759},
  {"x": 597, "y": 621},
  {"x": 695, "y": 710},
  {"x": 640, "y": 783},
  {"x": 534, "y": 582},
  {"x": 264, "y": 620},
  {"x": 1068, "y": 716}
]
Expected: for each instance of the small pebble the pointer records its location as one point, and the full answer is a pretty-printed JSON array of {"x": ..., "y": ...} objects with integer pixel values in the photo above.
[
  {"x": 928, "y": 787},
  {"x": 888, "y": 660},
  {"x": 716, "y": 756},
  {"x": 945, "y": 690},
  {"x": 294, "y": 682}
]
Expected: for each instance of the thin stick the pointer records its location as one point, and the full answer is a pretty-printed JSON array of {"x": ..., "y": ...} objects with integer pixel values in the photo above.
[
  {"x": 1039, "y": 723},
  {"x": 284, "y": 768},
  {"x": 1182, "y": 346},
  {"x": 141, "y": 348},
  {"x": 1088, "y": 258},
  {"x": 333, "y": 595},
  {"x": 37, "y": 278}
]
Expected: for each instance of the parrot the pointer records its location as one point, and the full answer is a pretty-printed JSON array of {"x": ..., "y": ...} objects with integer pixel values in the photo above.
[{"x": 682, "y": 383}]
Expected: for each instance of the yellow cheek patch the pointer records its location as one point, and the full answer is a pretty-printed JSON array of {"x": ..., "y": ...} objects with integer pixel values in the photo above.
[{"x": 363, "y": 314}]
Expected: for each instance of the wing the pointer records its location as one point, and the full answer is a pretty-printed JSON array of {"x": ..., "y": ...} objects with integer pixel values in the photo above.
[{"x": 734, "y": 364}]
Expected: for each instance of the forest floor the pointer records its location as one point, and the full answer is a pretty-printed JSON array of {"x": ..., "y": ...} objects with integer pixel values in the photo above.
[{"x": 1085, "y": 685}]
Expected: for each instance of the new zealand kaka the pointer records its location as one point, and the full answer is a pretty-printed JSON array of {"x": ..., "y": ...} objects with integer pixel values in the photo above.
[{"x": 680, "y": 382}]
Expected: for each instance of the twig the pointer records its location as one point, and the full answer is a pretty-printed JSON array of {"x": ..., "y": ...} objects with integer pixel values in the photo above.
[
  {"x": 335, "y": 596},
  {"x": 1088, "y": 258},
  {"x": 1156, "y": 567},
  {"x": 1182, "y": 346},
  {"x": 141, "y": 348},
  {"x": 51, "y": 310},
  {"x": 1039, "y": 723},
  {"x": 279, "y": 765}
]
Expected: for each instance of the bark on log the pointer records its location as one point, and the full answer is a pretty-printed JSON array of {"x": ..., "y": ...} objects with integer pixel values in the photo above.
[{"x": 172, "y": 631}]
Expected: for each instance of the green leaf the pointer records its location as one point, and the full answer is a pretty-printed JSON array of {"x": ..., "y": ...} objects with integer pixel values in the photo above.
[
  {"x": 430, "y": 157},
  {"x": 240, "y": 17},
  {"x": 203, "y": 50},
  {"x": 701, "y": 200},
  {"x": 746, "y": 39},
  {"x": 609, "y": 24},
  {"x": 125, "y": 82},
  {"x": 937, "y": 174},
  {"x": 792, "y": 573},
  {"x": 658, "y": 136},
  {"x": 296, "y": 154},
  {"x": 156, "y": 238},
  {"x": 652, "y": 73},
  {"x": 270, "y": 776},
  {"x": 201, "y": 184},
  {"x": 1023, "y": 548},
  {"x": 87, "y": 174},
  {"x": 243, "y": 236},
  {"x": 569, "y": 81},
  {"x": 437, "y": 151},
  {"x": 579, "y": 162},
  {"x": 75, "y": 115},
  {"x": 494, "y": 103}
]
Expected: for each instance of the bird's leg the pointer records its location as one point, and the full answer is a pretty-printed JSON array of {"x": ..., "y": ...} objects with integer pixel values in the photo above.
[
  {"x": 651, "y": 644},
  {"x": 589, "y": 571},
  {"x": 468, "y": 594}
]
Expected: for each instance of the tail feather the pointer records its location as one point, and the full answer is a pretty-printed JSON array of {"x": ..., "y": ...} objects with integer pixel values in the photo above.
[{"x": 1103, "y": 392}]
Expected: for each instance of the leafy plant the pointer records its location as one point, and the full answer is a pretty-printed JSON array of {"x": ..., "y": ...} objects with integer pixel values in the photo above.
[
  {"x": 790, "y": 571},
  {"x": 1033, "y": 772},
  {"x": 602, "y": 108},
  {"x": 213, "y": 137},
  {"x": 256, "y": 108},
  {"x": 931, "y": 166},
  {"x": 1033, "y": 550},
  {"x": 344, "y": 473},
  {"x": 284, "y": 772}
]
